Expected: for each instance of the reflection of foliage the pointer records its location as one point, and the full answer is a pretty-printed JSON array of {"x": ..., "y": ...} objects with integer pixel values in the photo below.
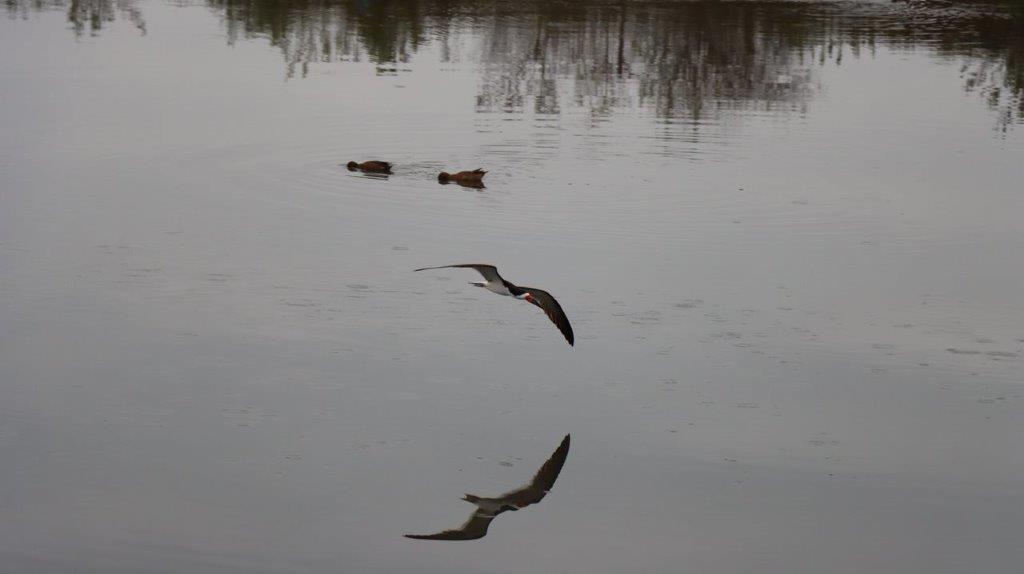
[
  {"x": 687, "y": 58},
  {"x": 95, "y": 12},
  {"x": 677, "y": 58},
  {"x": 321, "y": 30},
  {"x": 987, "y": 35},
  {"x": 995, "y": 68},
  {"x": 82, "y": 14}
]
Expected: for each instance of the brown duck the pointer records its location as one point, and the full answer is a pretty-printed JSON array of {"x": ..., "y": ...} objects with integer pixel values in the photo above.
[
  {"x": 473, "y": 178},
  {"x": 370, "y": 166}
]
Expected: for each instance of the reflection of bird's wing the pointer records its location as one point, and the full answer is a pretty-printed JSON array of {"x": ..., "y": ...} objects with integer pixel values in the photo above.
[
  {"x": 490, "y": 272},
  {"x": 545, "y": 301},
  {"x": 474, "y": 528},
  {"x": 542, "y": 481}
]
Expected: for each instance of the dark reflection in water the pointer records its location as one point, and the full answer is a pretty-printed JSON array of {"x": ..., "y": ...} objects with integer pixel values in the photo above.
[
  {"x": 487, "y": 509},
  {"x": 679, "y": 59},
  {"x": 83, "y": 14}
]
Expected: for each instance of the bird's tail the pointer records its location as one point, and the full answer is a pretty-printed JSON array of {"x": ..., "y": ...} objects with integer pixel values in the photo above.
[{"x": 471, "y": 498}]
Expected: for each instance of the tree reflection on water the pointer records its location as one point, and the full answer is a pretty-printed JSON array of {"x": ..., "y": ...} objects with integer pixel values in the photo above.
[
  {"x": 82, "y": 14},
  {"x": 678, "y": 59}
]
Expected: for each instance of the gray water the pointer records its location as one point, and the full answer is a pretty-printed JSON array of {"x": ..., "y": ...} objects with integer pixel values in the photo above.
[{"x": 788, "y": 237}]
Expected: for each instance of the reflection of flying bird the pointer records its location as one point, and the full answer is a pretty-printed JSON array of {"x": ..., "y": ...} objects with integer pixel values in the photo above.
[
  {"x": 496, "y": 284},
  {"x": 473, "y": 178},
  {"x": 372, "y": 166},
  {"x": 487, "y": 509}
]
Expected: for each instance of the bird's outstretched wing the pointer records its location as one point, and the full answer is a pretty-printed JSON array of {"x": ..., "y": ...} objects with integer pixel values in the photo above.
[
  {"x": 474, "y": 528},
  {"x": 554, "y": 311},
  {"x": 542, "y": 481},
  {"x": 490, "y": 272}
]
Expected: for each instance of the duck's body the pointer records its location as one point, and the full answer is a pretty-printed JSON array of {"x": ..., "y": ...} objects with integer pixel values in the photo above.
[
  {"x": 473, "y": 178},
  {"x": 372, "y": 166}
]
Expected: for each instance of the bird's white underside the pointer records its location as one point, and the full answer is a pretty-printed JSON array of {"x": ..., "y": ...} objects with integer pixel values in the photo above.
[{"x": 494, "y": 287}]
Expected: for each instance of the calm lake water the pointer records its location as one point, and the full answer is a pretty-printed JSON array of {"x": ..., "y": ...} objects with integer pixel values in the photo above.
[{"x": 788, "y": 235}]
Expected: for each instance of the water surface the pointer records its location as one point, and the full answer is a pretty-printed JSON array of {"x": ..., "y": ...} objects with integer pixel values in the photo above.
[{"x": 787, "y": 234}]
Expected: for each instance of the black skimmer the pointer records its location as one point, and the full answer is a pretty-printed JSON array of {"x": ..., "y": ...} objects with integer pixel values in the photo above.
[
  {"x": 487, "y": 509},
  {"x": 496, "y": 284},
  {"x": 370, "y": 166},
  {"x": 473, "y": 178}
]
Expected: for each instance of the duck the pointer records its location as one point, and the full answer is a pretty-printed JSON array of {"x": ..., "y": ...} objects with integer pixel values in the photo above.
[
  {"x": 372, "y": 166},
  {"x": 467, "y": 178}
]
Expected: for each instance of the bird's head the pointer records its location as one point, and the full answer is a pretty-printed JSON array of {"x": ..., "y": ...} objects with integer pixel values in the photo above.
[
  {"x": 444, "y": 177},
  {"x": 352, "y": 166}
]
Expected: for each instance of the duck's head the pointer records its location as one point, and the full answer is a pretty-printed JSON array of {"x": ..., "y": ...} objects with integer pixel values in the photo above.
[
  {"x": 444, "y": 177},
  {"x": 352, "y": 166}
]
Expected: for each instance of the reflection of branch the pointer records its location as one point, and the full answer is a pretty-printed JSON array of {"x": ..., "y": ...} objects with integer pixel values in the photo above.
[
  {"x": 989, "y": 37},
  {"x": 1000, "y": 85},
  {"x": 96, "y": 13}
]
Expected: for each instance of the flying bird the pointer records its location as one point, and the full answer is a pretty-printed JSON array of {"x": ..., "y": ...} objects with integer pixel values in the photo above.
[
  {"x": 473, "y": 178},
  {"x": 487, "y": 509},
  {"x": 372, "y": 166},
  {"x": 496, "y": 284}
]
